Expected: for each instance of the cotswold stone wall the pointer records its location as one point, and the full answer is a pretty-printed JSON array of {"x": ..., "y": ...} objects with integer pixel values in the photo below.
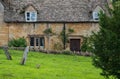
[
  {"x": 3, "y": 28},
  {"x": 9, "y": 31},
  {"x": 3, "y": 34}
]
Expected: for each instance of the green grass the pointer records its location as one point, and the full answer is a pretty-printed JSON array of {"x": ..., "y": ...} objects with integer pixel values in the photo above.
[{"x": 51, "y": 67}]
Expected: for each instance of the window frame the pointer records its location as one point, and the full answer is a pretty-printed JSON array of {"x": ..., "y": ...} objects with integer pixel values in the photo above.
[
  {"x": 30, "y": 16},
  {"x": 95, "y": 18},
  {"x": 32, "y": 39},
  {"x": 37, "y": 41}
]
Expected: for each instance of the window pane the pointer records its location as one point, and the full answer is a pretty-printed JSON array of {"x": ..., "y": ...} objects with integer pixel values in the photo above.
[
  {"x": 33, "y": 16},
  {"x": 28, "y": 14},
  {"x": 31, "y": 41},
  {"x": 28, "y": 18},
  {"x": 33, "y": 19},
  {"x": 95, "y": 16},
  {"x": 37, "y": 40},
  {"x": 42, "y": 41}
]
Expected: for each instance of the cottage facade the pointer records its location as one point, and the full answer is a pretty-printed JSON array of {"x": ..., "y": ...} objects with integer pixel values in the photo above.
[{"x": 29, "y": 19}]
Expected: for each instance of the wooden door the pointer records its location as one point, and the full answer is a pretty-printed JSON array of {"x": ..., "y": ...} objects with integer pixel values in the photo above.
[{"x": 75, "y": 44}]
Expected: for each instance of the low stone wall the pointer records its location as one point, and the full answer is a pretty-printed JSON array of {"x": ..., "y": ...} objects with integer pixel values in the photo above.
[
  {"x": 66, "y": 52},
  {"x": 17, "y": 48}
]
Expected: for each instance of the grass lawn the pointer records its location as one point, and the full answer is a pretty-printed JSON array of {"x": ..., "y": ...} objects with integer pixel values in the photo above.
[{"x": 51, "y": 67}]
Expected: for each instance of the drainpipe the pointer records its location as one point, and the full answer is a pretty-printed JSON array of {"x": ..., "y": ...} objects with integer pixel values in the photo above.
[{"x": 64, "y": 28}]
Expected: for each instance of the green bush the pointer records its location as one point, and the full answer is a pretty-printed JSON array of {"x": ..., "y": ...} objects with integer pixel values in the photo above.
[{"x": 20, "y": 42}]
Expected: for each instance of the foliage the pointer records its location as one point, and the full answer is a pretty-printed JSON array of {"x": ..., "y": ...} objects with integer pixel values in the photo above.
[
  {"x": 53, "y": 65},
  {"x": 64, "y": 35},
  {"x": 48, "y": 31},
  {"x": 20, "y": 42},
  {"x": 87, "y": 45},
  {"x": 70, "y": 31},
  {"x": 106, "y": 43}
]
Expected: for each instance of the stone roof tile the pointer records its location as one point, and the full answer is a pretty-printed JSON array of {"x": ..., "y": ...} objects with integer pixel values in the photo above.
[{"x": 53, "y": 10}]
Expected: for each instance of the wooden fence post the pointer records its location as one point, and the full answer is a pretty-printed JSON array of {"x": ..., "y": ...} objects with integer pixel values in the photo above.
[
  {"x": 7, "y": 53},
  {"x": 24, "y": 55}
]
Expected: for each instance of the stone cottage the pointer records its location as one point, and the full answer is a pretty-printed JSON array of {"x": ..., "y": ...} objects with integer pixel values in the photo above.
[{"x": 29, "y": 19}]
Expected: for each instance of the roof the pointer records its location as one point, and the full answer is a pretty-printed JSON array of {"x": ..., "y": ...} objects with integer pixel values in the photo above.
[{"x": 54, "y": 10}]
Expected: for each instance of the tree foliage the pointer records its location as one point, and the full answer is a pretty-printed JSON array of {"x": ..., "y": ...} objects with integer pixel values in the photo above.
[
  {"x": 106, "y": 43},
  {"x": 20, "y": 42},
  {"x": 64, "y": 35},
  {"x": 48, "y": 31}
]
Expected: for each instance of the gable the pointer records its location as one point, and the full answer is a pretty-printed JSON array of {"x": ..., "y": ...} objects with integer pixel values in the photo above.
[
  {"x": 30, "y": 8},
  {"x": 98, "y": 9}
]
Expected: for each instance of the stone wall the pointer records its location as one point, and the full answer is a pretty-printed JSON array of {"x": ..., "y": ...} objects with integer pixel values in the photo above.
[
  {"x": 3, "y": 28},
  {"x": 16, "y": 30},
  {"x": 9, "y": 31}
]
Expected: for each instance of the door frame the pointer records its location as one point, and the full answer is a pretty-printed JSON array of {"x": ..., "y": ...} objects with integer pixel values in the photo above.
[{"x": 78, "y": 48}]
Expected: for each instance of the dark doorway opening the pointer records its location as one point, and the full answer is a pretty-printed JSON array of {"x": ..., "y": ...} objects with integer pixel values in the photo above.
[{"x": 75, "y": 44}]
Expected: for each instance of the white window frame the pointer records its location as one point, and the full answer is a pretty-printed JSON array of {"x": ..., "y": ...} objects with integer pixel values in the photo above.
[
  {"x": 30, "y": 16},
  {"x": 96, "y": 18}
]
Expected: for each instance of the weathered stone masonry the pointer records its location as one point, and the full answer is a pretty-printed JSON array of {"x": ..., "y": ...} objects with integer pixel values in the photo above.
[
  {"x": 75, "y": 14},
  {"x": 16, "y": 30}
]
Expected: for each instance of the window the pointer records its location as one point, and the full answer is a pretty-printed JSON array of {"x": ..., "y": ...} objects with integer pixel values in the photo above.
[
  {"x": 31, "y": 41},
  {"x": 95, "y": 16},
  {"x": 37, "y": 41},
  {"x": 31, "y": 16},
  {"x": 41, "y": 41}
]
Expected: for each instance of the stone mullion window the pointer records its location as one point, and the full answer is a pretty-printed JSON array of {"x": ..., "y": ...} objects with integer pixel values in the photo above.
[{"x": 37, "y": 41}]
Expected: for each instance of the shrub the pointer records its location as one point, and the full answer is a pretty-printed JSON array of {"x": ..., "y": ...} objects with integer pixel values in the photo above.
[{"x": 20, "y": 42}]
